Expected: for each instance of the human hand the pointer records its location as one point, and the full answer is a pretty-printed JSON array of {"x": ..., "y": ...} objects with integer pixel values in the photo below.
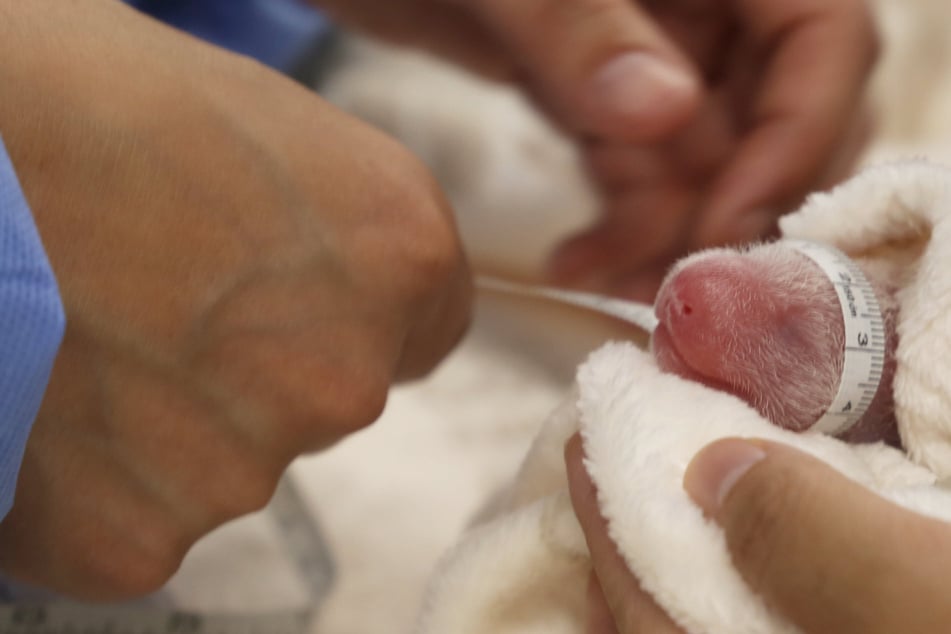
[
  {"x": 616, "y": 602},
  {"x": 782, "y": 113},
  {"x": 701, "y": 121},
  {"x": 245, "y": 270},
  {"x": 820, "y": 549},
  {"x": 600, "y": 68}
]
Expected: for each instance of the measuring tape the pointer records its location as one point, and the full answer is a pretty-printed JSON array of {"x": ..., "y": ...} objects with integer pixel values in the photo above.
[
  {"x": 861, "y": 315},
  {"x": 637, "y": 313},
  {"x": 305, "y": 547},
  {"x": 864, "y": 337},
  {"x": 79, "y": 619}
]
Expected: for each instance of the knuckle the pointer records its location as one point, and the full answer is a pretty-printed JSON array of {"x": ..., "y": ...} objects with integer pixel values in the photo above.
[
  {"x": 357, "y": 404},
  {"x": 348, "y": 400},
  {"x": 145, "y": 575},
  {"x": 128, "y": 570},
  {"x": 865, "y": 33},
  {"x": 434, "y": 262},
  {"x": 421, "y": 235},
  {"x": 434, "y": 334},
  {"x": 248, "y": 488}
]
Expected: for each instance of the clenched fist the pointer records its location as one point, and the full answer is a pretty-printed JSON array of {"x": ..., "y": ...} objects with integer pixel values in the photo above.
[{"x": 245, "y": 271}]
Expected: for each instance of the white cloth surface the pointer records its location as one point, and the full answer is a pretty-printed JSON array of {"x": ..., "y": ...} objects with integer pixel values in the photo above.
[{"x": 524, "y": 568}]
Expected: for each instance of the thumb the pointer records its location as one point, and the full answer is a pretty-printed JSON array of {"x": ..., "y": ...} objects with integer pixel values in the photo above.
[
  {"x": 828, "y": 554},
  {"x": 603, "y": 67}
]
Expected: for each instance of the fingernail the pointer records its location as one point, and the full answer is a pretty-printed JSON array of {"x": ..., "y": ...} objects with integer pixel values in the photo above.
[
  {"x": 641, "y": 86},
  {"x": 717, "y": 468}
]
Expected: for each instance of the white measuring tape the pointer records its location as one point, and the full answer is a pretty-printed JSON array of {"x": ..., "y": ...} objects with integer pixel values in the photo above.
[
  {"x": 864, "y": 337},
  {"x": 637, "y": 313},
  {"x": 861, "y": 315}
]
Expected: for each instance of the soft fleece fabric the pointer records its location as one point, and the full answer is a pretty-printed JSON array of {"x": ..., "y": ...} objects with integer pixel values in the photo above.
[{"x": 523, "y": 567}]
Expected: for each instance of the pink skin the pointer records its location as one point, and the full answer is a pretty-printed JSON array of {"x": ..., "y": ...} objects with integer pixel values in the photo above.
[{"x": 765, "y": 325}]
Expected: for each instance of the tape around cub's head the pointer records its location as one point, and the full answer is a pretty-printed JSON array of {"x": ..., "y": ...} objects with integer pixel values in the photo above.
[{"x": 864, "y": 336}]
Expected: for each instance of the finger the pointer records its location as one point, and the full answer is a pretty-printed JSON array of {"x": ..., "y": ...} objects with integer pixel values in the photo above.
[
  {"x": 619, "y": 167},
  {"x": 706, "y": 144},
  {"x": 604, "y": 63},
  {"x": 640, "y": 228},
  {"x": 819, "y": 57},
  {"x": 830, "y": 555},
  {"x": 854, "y": 142},
  {"x": 633, "y": 609},
  {"x": 643, "y": 284},
  {"x": 651, "y": 195},
  {"x": 703, "y": 30},
  {"x": 440, "y": 325},
  {"x": 599, "y": 619}
]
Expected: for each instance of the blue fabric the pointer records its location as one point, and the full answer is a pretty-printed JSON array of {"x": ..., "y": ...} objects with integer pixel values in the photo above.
[
  {"x": 31, "y": 326},
  {"x": 276, "y": 32}
]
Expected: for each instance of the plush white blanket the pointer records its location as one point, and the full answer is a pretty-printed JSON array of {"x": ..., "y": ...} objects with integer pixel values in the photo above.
[{"x": 523, "y": 568}]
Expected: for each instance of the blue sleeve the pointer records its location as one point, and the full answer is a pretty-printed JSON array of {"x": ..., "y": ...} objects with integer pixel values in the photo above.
[
  {"x": 276, "y": 32},
  {"x": 31, "y": 326}
]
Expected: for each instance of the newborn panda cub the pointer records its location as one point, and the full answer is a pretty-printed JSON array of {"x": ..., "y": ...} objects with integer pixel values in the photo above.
[{"x": 765, "y": 324}]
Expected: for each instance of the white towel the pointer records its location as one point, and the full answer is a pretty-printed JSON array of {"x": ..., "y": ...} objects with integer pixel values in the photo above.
[{"x": 523, "y": 567}]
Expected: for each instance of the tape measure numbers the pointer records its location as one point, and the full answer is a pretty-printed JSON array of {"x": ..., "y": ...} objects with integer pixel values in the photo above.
[{"x": 864, "y": 354}]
